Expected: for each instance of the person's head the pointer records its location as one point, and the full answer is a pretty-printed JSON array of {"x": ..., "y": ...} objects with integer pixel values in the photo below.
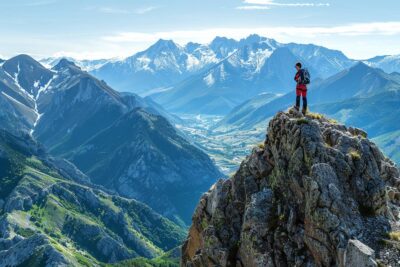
[{"x": 298, "y": 66}]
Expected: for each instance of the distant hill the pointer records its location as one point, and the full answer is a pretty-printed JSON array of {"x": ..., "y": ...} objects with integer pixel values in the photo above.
[{"x": 387, "y": 63}]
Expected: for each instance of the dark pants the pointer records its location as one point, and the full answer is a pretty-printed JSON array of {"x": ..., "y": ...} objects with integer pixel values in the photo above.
[
  {"x": 301, "y": 93},
  {"x": 304, "y": 102}
]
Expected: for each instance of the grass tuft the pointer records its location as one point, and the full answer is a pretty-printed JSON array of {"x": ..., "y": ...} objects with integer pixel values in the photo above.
[
  {"x": 302, "y": 121},
  {"x": 354, "y": 154},
  {"x": 315, "y": 116},
  {"x": 394, "y": 236},
  {"x": 333, "y": 121}
]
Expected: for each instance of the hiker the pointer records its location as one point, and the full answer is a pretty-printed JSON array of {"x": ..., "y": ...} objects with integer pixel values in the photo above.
[{"x": 302, "y": 78}]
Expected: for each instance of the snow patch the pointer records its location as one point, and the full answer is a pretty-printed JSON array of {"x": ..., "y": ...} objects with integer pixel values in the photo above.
[
  {"x": 144, "y": 62},
  {"x": 192, "y": 62},
  {"x": 209, "y": 80},
  {"x": 45, "y": 87},
  {"x": 222, "y": 72}
]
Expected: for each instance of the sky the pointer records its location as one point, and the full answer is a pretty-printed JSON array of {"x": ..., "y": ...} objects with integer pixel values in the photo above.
[{"x": 92, "y": 29}]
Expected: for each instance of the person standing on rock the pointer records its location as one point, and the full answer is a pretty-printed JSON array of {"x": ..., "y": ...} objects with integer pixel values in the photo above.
[{"x": 302, "y": 79}]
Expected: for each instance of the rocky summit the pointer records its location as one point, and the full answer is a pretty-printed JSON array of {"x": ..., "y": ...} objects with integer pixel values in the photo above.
[{"x": 316, "y": 193}]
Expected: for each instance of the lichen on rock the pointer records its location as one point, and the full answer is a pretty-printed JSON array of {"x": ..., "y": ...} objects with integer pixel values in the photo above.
[{"x": 316, "y": 194}]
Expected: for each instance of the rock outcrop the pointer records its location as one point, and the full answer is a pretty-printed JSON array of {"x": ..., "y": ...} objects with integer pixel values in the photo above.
[{"x": 315, "y": 194}]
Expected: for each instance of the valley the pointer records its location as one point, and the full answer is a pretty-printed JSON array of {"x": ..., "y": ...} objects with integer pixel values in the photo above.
[{"x": 226, "y": 148}]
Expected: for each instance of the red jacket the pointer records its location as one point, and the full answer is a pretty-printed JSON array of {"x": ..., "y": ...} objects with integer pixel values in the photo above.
[{"x": 299, "y": 78}]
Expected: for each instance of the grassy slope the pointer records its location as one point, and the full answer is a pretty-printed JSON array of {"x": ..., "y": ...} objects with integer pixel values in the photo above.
[
  {"x": 61, "y": 219},
  {"x": 390, "y": 143}
]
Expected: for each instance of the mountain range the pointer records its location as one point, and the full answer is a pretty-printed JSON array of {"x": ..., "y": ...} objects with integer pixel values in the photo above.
[
  {"x": 210, "y": 78},
  {"x": 84, "y": 64},
  {"x": 216, "y": 77},
  {"x": 119, "y": 140}
]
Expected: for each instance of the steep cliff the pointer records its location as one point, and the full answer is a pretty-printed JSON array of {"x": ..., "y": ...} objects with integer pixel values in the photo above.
[{"x": 316, "y": 193}]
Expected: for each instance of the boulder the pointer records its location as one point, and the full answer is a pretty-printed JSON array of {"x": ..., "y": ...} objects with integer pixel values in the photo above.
[{"x": 359, "y": 254}]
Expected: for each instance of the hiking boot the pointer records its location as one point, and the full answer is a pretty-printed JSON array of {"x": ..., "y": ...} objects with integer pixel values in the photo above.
[
  {"x": 304, "y": 111},
  {"x": 296, "y": 108}
]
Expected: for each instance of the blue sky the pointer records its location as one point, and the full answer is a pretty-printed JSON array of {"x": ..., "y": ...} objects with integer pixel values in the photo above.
[{"x": 112, "y": 28}]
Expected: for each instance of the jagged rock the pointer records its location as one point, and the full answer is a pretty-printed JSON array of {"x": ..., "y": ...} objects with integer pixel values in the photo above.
[
  {"x": 358, "y": 254},
  {"x": 35, "y": 246},
  {"x": 299, "y": 200}
]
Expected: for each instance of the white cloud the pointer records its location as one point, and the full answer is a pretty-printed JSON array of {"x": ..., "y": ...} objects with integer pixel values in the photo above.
[
  {"x": 366, "y": 38},
  {"x": 374, "y": 28},
  {"x": 271, "y": 3},
  {"x": 253, "y": 7},
  {"x": 145, "y": 10},
  {"x": 138, "y": 11},
  {"x": 110, "y": 10}
]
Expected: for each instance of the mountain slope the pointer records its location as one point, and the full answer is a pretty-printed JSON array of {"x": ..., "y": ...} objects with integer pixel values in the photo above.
[
  {"x": 142, "y": 156},
  {"x": 82, "y": 119},
  {"x": 327, "y": 62},
  {"x": 242, "y": 115},
  {"x": 48, "y": 219},
  {"x": 358, "y": 81},
  {"x": 377, "y": 114},
  {"x": 316, "y": 194},
  {"x": 73, "y": 107},
  {"x": 390, "y": 143}
]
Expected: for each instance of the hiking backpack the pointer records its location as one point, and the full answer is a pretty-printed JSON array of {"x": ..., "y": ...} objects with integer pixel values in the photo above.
[{"x": 306, "y": 76}]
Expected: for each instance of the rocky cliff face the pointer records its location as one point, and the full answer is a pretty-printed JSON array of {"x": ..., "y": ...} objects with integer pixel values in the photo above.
[{"x": 316, "y": 193}]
